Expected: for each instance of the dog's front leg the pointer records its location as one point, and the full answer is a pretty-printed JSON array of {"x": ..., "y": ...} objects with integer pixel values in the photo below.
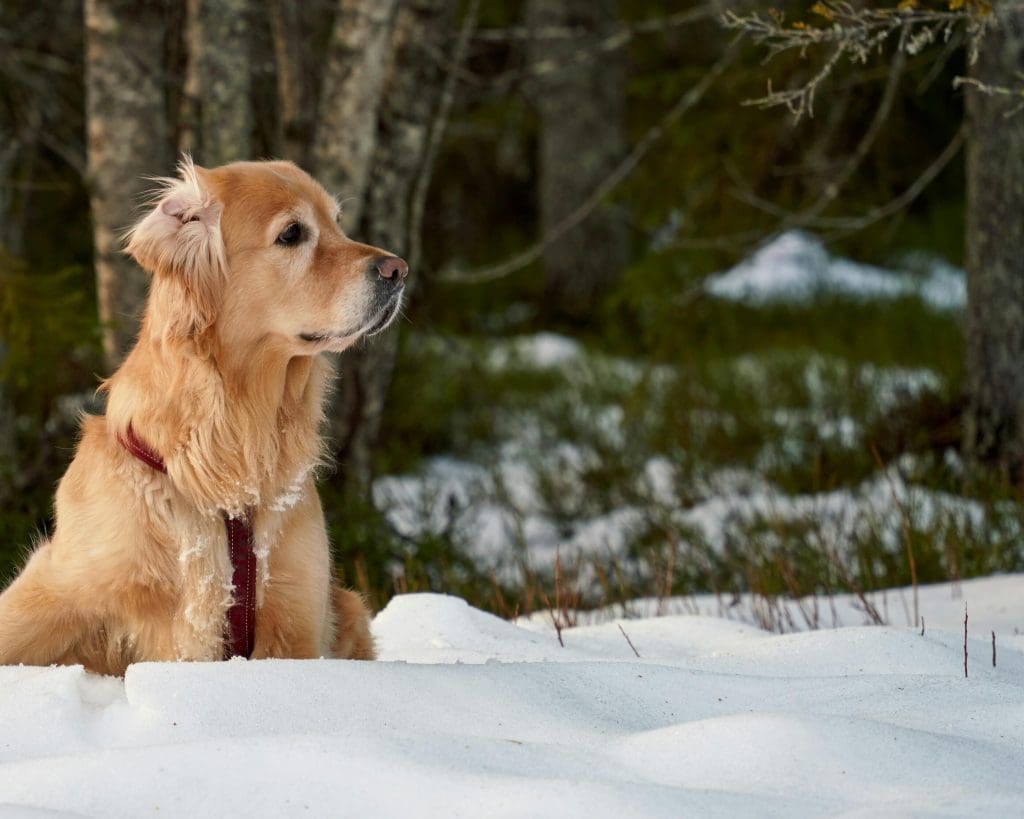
[{"x": 292, "y": 619}]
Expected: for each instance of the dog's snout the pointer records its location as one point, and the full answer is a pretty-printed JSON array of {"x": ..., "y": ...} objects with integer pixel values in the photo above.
[{"x": 391, "y": 268}]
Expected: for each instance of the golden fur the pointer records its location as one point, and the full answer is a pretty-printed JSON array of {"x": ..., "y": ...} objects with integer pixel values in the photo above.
[{"x": 226, "y": 384}]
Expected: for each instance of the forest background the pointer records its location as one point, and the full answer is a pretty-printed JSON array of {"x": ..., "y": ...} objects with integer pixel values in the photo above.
[{"x": 568, "y": 175}]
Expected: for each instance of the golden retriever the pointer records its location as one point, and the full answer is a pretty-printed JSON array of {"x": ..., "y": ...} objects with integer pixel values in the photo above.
[{"x": 213, "y": 418}]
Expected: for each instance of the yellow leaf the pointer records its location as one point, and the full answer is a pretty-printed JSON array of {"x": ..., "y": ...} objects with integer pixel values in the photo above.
[{"x": 822, "y": 10}]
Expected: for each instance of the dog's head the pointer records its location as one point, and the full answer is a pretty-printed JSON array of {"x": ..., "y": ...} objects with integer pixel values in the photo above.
[{"x": 253, "y": 251}]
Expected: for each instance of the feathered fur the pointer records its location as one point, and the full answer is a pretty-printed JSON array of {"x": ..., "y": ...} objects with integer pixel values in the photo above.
[{"x": 226, "y": 383}]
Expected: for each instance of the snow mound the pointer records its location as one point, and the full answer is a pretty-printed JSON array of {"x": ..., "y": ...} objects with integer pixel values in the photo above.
[
  {"x": 476, "y": 716},
  {"x": 796, "y": 268},
  {"x": 432, "y": 628}
]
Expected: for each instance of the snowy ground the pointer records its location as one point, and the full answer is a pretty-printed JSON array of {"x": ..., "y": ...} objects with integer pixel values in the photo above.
[
  {"x": 496, "y": 506},
  {"x": 469, "y": 715},
  {"x": 796, "y": 268}
]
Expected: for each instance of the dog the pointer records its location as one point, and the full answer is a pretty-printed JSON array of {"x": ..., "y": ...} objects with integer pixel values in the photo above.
[{"x": 188, "y": 525}]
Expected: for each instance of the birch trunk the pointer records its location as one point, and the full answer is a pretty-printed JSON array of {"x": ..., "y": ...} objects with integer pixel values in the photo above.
[
  {"x": 409, "y": 100},
  {"x": 127, "y": 140},
  {"x": 218, "y": 119},
  {"x": 381, "y": 85},
  {"x": 358, "y": 57}
]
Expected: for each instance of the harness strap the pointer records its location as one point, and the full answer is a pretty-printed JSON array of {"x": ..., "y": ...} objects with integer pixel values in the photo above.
[
  {"x": 241, "y": 636},
  {"x": 242, "y": 614}
]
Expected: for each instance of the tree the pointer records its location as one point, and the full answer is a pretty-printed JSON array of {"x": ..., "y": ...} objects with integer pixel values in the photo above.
[
  {"x": 994, "y": 429},
  {"x": 127, "y": 141},
  {"x": 218, "y": 123},
  {"x": 579, "y": 93},
  {"x": 374, "y": 116}
]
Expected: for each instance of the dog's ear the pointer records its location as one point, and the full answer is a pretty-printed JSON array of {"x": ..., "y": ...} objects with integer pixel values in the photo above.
[{"x": 179, "y": 241}]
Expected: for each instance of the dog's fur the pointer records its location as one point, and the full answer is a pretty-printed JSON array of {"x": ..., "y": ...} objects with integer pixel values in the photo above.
[{"x": 225, "y": 384}]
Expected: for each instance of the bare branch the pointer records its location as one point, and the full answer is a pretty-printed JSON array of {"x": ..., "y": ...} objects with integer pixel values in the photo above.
[
  {"x": 624, "y": 32},
  {"x": 621, "y": 172},
  {"x": 832, "y": 190},
  {"x": 856, "y": 34},
  {"x": 619, "y": 37},
  {"x": 444, "y": 107},
  {"x": 843, "y": 226},
  {"x": 995, "y": 90}
]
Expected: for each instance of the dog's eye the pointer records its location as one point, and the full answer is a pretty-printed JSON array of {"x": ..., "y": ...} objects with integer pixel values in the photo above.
[{"x": 291, "y": 235}]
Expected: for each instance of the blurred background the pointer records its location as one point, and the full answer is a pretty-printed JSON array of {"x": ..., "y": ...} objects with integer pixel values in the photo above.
[{"x": 688, "y": 309}]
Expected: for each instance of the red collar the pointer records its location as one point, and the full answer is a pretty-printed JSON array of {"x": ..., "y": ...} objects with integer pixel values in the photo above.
[
  {"x": 241, "y": 636},
  {"x": 131, "y": 442}
]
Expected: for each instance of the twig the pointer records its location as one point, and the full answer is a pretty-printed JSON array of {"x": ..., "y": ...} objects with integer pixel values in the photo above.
[
  {"x": 605, "y": 187},
  {"x": 651, "y": 25},
  {"x": 965, "y": 640},
  {"x": 419, "y": 194},
  {"x": 995, "y": 90},
  {"x": 993, "y": 649},
  {"x": 556, "y": 613},
  {"x": 939, "y": 164},
  {"x": 832, "y": 190},
  {"x": 905, "y": 524},
  {"x": 584, "y": 52},
  {"x": 836, "y": 562},
  {"x": 922, "y": 627},
  {"x": 665, "y": 590},
  {"x": 638, "y": 653},
  {"x": 854, "y": 32}
]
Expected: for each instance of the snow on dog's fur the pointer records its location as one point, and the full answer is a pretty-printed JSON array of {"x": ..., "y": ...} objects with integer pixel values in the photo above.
[{"x": 252, "y": 280}]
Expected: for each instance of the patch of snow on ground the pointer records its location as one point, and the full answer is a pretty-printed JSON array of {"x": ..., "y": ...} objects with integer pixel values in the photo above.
[
  {"x": 541, "y": 350},
  {"x": 505, "y": 531},
  {"x": 796, "y": 268},
  {"x": 469, "y": 715}
]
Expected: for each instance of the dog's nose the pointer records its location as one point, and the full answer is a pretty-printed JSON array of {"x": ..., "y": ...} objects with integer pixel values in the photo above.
[{"x": 392, "y": 268}]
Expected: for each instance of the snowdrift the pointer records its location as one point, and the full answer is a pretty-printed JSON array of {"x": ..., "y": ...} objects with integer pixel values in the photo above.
[{"x": 470, "y": 715}]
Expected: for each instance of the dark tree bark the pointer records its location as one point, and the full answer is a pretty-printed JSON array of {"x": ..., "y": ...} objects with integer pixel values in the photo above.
[
  {"x": 218, "y": 121},
  {"x": 298, "y": 57},
  {"x": 994, "y": 428},
  {"x": 579, "y": 94},
  {"x": 127, "y": 140}
]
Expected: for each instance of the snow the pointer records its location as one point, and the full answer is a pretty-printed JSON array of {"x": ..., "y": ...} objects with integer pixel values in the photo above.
[
  {"x": 541, "y": 350},
  {"x": 504, "y": 520},
  {"x": 516, "y": 505},
  {"x": 470, "y": 715},
  {"x": 795, "y": 268}
]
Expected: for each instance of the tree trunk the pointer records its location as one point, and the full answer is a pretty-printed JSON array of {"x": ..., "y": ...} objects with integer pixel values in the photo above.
[
  {"x": 299, "y": 59},
  {"x": 358, "y": 57},
  {"x": 218, "y": 121},
  {"x": 127, "y": 140},
  {"x": 380, "y": 91},
  {"x": 579, "y": 94},
  {"x": 410, "y": 98},
  {"x": 994, "y": 428}
]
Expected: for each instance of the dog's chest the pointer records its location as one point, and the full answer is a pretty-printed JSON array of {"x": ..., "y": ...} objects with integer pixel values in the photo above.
[{"x": 209, "y": 573}]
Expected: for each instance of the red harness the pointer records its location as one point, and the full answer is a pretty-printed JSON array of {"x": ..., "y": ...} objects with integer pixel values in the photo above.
[{"x": 241, "y": 636}]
